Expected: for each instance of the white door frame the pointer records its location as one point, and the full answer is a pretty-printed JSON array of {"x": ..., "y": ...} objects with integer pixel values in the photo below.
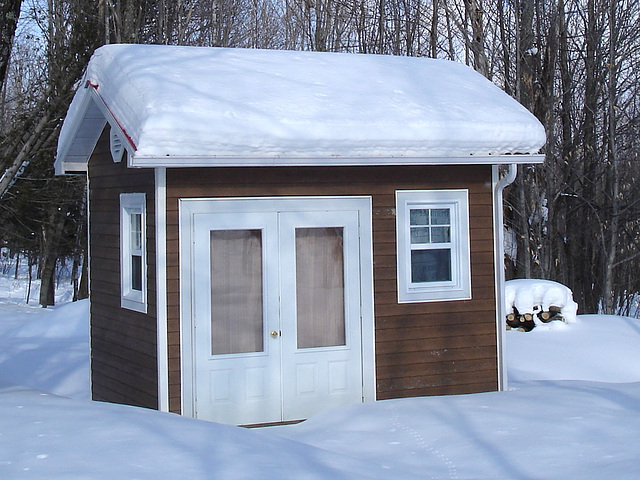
[{"x": 190, "y": 208}]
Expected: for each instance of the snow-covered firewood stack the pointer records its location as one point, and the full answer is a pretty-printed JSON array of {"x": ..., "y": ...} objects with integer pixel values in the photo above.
[{"x": 529, "y": 302}]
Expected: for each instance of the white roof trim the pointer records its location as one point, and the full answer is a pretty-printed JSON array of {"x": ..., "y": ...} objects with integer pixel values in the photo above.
[
  {"x": 336, "y": 161},
  {"x": 75, "y": 122}
]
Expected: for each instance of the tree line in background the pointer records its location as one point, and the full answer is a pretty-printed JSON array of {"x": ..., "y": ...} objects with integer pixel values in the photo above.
[{"x": 574, "y": 63}]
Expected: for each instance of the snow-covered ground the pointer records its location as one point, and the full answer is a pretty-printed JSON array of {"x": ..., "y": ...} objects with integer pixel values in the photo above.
[{"x": 572, "y": 411}]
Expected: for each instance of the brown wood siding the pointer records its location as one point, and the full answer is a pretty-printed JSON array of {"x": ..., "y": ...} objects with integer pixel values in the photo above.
[
  {"x": 421, "y": 348},
  {"x": 123, "y": 342}
]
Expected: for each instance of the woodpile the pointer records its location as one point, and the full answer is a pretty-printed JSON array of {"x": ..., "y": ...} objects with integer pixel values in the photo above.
[{"x": 525, "y": 322}]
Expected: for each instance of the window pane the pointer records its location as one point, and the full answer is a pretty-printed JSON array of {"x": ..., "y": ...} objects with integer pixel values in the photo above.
[
  {"x": 419, "y": 216},
  {"x": 320, "y": 287},
  {"x": 420, "y": 235},
  {"x": 136, "y": 231},
  {"x": 236, "y": 291},
  {"x": 440, "y": 216},
  {"x": 431, "y": 265},
  {"x": 440, "y": 235},
  {"x": 136, "y": 273}
]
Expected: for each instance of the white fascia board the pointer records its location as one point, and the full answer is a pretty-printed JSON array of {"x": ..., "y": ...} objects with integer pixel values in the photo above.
[
  {"x": 70, "y": 166},
  {"x": 188, "y": 162}
]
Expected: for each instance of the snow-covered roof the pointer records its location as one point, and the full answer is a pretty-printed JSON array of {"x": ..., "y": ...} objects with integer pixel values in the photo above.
[{"x": 199, "y": 106}]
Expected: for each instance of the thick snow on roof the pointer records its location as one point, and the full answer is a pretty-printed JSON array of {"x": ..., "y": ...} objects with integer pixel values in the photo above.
[{"x": 197, "y": 102}]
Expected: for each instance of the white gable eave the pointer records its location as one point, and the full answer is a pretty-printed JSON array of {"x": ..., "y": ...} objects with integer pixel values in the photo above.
[
  {"x": 87, "y": 116},
  {"x": 80, "y": 132}
]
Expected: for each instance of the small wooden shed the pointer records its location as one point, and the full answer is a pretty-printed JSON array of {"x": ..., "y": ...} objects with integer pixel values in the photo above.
[{"x": 273, "y": 233}]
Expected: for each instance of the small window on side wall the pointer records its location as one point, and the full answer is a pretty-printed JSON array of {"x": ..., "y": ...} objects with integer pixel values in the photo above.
[
  {"x": 133, "y": 252},
  {"x": 432, "y": 238}
]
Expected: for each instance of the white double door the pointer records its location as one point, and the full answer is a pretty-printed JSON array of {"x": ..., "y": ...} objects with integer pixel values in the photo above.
[{"x": 277, "y": 311}]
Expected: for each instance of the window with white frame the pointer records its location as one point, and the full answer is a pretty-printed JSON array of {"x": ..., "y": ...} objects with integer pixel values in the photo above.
[
  {"x": 432, "y": 237},
  {"x": 133, "y": 252}
]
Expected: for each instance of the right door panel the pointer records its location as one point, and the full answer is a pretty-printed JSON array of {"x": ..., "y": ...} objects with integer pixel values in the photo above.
[{"x": 320, "y": 311}]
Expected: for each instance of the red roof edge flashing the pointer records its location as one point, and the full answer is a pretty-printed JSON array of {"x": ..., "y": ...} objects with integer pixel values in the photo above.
[{"x": 95, "y": 86}]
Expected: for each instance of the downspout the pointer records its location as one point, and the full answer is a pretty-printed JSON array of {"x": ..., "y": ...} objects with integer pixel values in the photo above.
[{"x": 500, "y": 183}]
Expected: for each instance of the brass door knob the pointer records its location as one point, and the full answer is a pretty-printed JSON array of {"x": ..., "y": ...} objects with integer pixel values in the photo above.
[{"x": 274, "y": 334}]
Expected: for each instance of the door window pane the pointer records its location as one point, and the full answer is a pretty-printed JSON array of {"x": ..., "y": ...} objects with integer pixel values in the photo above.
[
  {"x": 320, "y": 287},
  {"x": 236, "y": 291}
]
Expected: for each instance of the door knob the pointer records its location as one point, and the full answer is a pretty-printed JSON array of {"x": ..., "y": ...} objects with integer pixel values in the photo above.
[{"x": 273, "y": 333}]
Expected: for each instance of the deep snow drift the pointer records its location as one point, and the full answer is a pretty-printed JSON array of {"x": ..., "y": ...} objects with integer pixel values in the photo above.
[{"x": 562, "y": 418}]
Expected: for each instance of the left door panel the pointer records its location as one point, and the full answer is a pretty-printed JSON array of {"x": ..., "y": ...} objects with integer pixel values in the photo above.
[{"x": 237, "y": 367}]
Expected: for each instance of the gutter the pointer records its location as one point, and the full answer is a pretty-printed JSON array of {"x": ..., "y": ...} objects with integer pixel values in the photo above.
[
  {"x": 500, "y": 183},
  {"x": 139, "y": 161}
]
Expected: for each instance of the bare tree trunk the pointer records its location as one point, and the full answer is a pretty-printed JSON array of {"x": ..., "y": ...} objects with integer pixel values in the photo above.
[
  {"x": 447, "y": 13},
  {"x": 83, "y": 289},
  {"x": 589, "y": 249},
  {"x": 381, "y": 25},
  {"x": 523, "y": 183},
  {"x": 30, "y": 261},
  {"x": 9, "y": 14},
  {"x": 80, "y": 287},
  {"x": 559, "y": 227},
  {"x": 433, "y": 37},
  {"x": 614, "y": 182},
  {"x": 475, "y": 13},
  {"x": 525, "y": 54},
  {"x": 51, "y": 234},
  {"x": 74, "y": 276},
  {"x": 548, "y": 175},
  {"x": 15, "y": 275},
  {"x": 524, "y": 246},
  {"x": 506, "y": 57}
]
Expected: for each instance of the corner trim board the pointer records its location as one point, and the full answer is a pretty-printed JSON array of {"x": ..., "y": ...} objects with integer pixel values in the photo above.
[{"x": 161, "y": 288}]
